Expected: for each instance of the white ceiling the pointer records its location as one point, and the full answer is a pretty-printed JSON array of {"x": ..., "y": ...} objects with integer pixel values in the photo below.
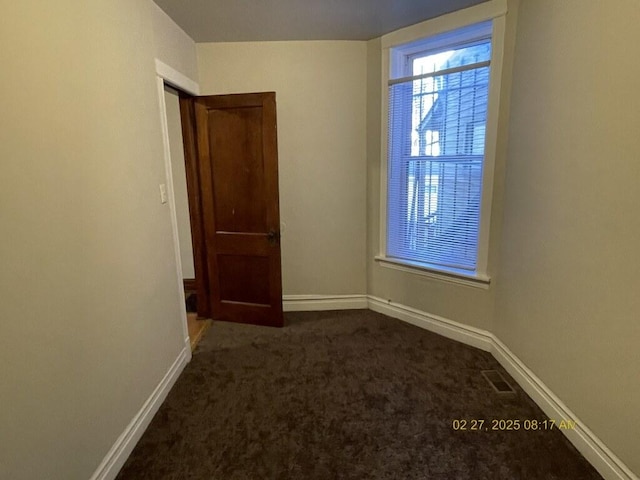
[{"x": 267, "y": 20}]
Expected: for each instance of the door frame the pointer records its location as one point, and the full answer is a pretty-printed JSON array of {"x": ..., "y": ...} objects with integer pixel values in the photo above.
[{"x": 172, "y": 77}]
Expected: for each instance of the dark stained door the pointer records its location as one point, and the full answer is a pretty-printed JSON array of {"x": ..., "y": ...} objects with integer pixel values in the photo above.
[{"x": 238, "y": 164}]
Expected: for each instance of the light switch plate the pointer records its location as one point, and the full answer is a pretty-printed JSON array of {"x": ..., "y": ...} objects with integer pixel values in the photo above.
[{"x": 163, "y": 193}]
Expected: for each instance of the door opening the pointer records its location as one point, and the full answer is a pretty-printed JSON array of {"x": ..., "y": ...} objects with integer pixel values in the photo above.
[{"x": 197, "y": 320}]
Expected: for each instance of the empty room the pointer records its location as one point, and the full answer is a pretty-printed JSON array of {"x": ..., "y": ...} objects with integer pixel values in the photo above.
[{"x": 319, "y": 240}]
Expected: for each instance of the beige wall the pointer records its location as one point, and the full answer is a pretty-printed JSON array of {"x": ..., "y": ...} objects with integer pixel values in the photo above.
[
  {"x": 178, "y": 172},
  {"x": 469, "y": 305},
  {"x": 172, "y": 46},
  {"x": 568, "y": 302},
  {"x": 89, "y": 308},
  {"x": 321, "y": 141}
]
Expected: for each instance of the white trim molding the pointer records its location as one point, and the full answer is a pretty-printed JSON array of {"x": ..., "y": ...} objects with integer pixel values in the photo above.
[
  {"x": 476, "y": 281},
  {"x": 172, "y": 209},
  {"x": 442, "y": 326},
  {"x": 585, "y": 441},
  {"x": 309, "y": 303},
  {"x": 176, "y": 79},
  {"x": 450, "y": 21},
  {"x": 168, "y": 75},
  {"x": 124, "y": 445}
]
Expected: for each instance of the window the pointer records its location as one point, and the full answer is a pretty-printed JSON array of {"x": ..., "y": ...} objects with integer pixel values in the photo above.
[{"x": 438, "y": 97}]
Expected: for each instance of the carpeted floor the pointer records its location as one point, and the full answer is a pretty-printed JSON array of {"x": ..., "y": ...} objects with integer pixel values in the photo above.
[{"x": 343, "y": 395}]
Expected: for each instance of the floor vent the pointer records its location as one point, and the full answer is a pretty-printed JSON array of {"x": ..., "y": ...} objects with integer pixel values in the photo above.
[{"x": 497, "y": 382}]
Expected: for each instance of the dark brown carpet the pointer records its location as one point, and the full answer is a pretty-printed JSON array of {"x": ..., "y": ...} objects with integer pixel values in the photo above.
[{"x": 342, "y": 395}]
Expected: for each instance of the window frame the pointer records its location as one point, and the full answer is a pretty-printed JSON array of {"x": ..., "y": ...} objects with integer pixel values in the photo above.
[{"x": 397, "y": 46}]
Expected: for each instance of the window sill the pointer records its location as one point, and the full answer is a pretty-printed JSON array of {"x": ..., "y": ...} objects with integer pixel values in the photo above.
[{"x": 450, "y": 276}]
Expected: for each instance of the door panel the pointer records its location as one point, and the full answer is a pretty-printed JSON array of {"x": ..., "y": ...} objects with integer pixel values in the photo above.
[
  {"x": 243, "y": 278},
  {"x": 237, "y": 152},
  {"x": 239, "y": 188}
]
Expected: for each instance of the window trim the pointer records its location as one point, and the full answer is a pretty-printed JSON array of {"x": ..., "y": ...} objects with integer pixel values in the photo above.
[
  {"x": 455, "y": 276},
  {"x": 495, "y": 12}
]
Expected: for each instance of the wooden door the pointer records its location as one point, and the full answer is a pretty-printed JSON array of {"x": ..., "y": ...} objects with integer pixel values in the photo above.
[{"x": 237, "y": 155}]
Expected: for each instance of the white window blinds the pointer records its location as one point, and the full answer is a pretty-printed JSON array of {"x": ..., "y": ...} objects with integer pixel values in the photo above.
[{"x": 437, "y": 118}]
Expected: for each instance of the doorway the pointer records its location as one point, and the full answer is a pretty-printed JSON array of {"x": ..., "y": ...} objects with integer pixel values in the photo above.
[
  {"x": 229, "y": 147},
  {"x": 197, "y": 320}
]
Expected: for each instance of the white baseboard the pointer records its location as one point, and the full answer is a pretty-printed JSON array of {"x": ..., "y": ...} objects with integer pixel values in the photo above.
[
  {"x": 124, "y": 445},
  {"x": 309, "y": 303},
  {"x": 585, "y": 441},
  {"x": 442, "y": 326}
]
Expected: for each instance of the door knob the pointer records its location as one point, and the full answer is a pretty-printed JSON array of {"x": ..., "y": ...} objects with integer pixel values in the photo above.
[{"x": 273, "y": 237}]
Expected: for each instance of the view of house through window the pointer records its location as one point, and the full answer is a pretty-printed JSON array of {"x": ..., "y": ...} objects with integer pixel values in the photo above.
[{"x": 437, "y": 117}]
